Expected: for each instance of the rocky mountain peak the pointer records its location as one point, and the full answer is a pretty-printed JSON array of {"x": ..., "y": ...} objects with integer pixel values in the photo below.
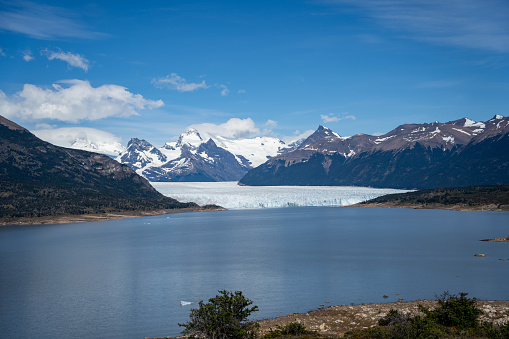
[
  {"x": 497, "y": 117},
  {"x": 139, "y": 144},
  {"x": 191, "y": 137},
  {"x": 320, "y": 133}
]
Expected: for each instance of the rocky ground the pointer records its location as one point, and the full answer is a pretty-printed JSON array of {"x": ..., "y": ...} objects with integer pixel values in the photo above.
[{"x": 336, "y": 320}]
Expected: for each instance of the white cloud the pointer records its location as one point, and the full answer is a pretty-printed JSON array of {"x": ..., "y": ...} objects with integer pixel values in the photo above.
[
  {"x": 2, "y": 52},
  {"x": 66, "y": 136},
  {"x": 176, "y": 82},
  {"x": 234, "y": 128},
  {"x": 271, "y": 123},
  {"x": 465, "y": 23},
  {"x": 80, "y": 101},
  {"x": 41, "y": 21},
  {"x": 74, "y": 60},
  {"x": 27, "y": 55},
  {"x": 241, "y": 91},
  {"x": 225, "y": 91},
  {"x": 331, "y": 117},
  {"x": 90, "y": 139}
]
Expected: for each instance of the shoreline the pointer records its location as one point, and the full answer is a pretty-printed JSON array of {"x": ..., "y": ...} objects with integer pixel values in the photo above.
[
  {"x": 485, "y": 208},
  {"x": 335, "y": 321},
  {"x": 71, "y": 219}
]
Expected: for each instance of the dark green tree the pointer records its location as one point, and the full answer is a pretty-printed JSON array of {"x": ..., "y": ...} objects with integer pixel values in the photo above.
[{"x": 223, "y": 317}]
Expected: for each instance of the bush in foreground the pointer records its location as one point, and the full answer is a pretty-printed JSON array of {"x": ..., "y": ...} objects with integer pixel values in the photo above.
[{"x": 223, "y": 317}]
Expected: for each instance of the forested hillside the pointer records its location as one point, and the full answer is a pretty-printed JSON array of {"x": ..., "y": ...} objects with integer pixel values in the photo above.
[{"x": 40, "y": 179}]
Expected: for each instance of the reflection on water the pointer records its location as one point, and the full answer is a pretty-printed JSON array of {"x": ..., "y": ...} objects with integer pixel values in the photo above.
[{"x": 126, "y": 278}]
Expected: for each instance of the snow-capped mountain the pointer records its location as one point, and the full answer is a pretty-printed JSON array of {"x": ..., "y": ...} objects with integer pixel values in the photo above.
[
  {"x": 192, "y": 158},
  {"x": 459, "y": 152}
]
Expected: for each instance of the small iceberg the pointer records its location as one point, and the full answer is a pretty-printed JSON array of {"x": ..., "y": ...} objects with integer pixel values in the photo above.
[{"x": 185, "y": 303}]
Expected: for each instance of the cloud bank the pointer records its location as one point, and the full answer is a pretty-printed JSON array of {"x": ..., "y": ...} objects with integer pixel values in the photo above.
[{"x": 80, "y": 101}]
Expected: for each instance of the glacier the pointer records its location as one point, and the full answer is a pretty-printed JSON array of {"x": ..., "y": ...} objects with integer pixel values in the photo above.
[{"x": 230, "y": 195}]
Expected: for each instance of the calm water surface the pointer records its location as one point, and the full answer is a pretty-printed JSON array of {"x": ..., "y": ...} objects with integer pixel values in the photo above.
[{"x": 126, "y": 278}]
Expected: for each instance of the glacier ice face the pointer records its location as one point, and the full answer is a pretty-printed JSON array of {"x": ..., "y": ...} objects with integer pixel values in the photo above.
[{"x": 232, "y": 196}]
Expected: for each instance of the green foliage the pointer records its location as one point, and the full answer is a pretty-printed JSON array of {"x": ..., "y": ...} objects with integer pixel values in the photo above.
[
  {"x": 472, "y": 196},
  {"x": 223, "y": 317},
  {"x": 292, "y": 329},
  {"x": 453, "y": 311},
  {"x": 393, "y": 318},
  {"x": 455, "y": 317}
]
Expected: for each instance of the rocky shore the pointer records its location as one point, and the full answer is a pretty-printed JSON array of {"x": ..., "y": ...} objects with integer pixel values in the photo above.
[
  {"x": 473, "y": 198},
  {"x": 497, "y": 239},
  {"x": 456, "y": 207},
  {"x": 335, "y": 321}
]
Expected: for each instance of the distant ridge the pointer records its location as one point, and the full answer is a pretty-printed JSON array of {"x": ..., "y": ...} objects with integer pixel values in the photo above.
[
  {"x": 412, "y": 156},
  {"x": 39, "y": 179}
]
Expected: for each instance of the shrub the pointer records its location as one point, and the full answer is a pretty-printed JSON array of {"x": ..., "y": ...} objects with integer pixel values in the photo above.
[
  {"x": 292, "y": 329},
  {"x": 393, "y": 318},
  {"x": 453, "y": 311},
  {"x": 455, "y": 317},
  {"x": 223, "y": 317}
]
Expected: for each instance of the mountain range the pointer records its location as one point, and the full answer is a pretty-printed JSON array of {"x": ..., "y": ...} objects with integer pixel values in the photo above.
[
  {"x": 193, "y": 158},
  {"x": 40, "y": 179},
  {"x": 412, "y": 156},
  {"x": 456, "y": 153}
]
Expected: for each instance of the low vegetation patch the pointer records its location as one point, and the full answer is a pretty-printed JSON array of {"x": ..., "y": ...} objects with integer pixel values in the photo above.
[
  {"x": 455, "y": 317},
  {"x": 292, "y": 330},
  {"x": 494, "y": 197},
  {"x": 451, "y": 316}
]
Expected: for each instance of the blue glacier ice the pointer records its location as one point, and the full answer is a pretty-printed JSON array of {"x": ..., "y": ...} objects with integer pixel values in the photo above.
[{"x": 232, "y": 196}]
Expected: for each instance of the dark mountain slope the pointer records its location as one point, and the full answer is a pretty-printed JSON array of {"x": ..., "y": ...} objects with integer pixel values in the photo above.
[
  {"x": 40, "y": 179},
  {"x": 459, "y": 153}
]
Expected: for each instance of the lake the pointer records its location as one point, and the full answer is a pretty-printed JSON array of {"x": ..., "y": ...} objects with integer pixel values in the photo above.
[{"x": 126, "y": 278}]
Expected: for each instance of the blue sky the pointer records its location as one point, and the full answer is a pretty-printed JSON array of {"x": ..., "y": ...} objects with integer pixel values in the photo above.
[{"x": 150, "y": 69}]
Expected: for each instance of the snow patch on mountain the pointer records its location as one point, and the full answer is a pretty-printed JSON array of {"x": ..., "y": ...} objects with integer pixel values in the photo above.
[{"x": 256, "y": 150}]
